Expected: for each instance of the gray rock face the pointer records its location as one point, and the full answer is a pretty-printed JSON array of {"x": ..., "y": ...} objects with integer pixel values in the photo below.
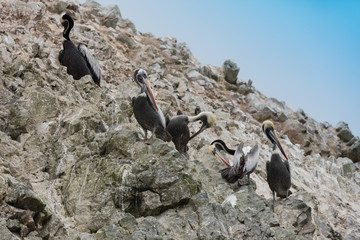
[
  {"x": 209, "y": 71},
  {"x": 73, "y": 163},
  {"x": 343, "y": 132},
  {"x": 112, "y": 16},
  {"x": 353, "y": 152},
  {"x": 231, "y": 71},
  {"x": 156, "y": 184}
]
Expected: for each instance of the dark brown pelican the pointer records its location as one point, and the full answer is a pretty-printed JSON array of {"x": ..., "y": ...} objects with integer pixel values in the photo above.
[
  {"x": 178, "y": 128},
  {"x": 278, "y": 171},
  {"x": 242, "y": 164},
  {"x": 77, "y": 59},
  {"x": 146, "y": 111}
]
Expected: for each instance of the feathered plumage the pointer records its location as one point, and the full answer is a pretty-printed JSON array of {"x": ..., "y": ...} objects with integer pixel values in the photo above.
[
  {"x": 242, "y": 164},
  {"x": 277, "y": 170},
  {"x": 77, "y": 59},
  {"x": 178, "y": 128},
  {"x": 146, "y": 111}
]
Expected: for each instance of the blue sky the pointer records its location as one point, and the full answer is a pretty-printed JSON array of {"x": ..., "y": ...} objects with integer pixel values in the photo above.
[{"x": 306, "y": 53}]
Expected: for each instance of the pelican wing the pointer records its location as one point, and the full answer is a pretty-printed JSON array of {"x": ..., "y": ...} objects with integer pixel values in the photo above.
[
  {"x": 91, "y": 62},
  {"x": 287, "y": 165},
  {"x": 233, "y": 173},
  {"x": 252, "y": 159},
  {"x": 162, "y": 118},
  {"x": 238, "y": 156}
]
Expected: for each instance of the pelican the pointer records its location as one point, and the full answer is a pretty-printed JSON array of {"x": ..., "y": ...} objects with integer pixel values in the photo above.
[
  {"x": 77, "y": 59},
  {"x": 242, "y": 164},
  {"x": 278, "y": 171},
  {"x": 146, "y": 111},
  {"x": 178, "y": 128}
]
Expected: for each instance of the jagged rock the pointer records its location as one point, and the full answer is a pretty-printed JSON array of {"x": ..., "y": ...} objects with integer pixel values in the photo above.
[
  {"x": 302, "y": 116},
  {"x": 102, "y": 217},
  {"x": 150, "y": 203},
  {"x": 264, "y": 113},
  {"x": 344, "y": 132},
  {"x": 111, "y": 232},
  {"x": 239, "y": 115},
  {"x": 13, "y": 225},
  {"x": 3, "y": 187},
  {"x": 52, "y": 227},
  {"x": 16, "y": 68},
  {"x": 158, "y": 175},
  {"x": 245, "y": 89},
  {"x": 92, "y": 4},
  {"x": 85, "y": 236},
  {"x": 209, "y": 71},
  {"x": 5, "y": 57},
  {"x": 112, "y": 16},
  {"x": 129, "y": 25},
  {"x": 76, "y": 149},
  {"x": 295, "y": 131},
  {"x": 128, "y": 222},
  {"x": 255, "y": 104},
  {"x": 231, "y": 71},
  {"x": 353, "y": 152},
  {"x": 297, "y": 218},
  {"x": 5, "y": 233},
  {"x": 327, "y": 231},
  {"x": 62, "y": 6},
  {"x": 22, "y": 197},
  {"x": 194, "y": 75},
  {"x": 282, "y": 117},
  {"x": 348, "y": 167},
  {"x": 124, "y": 38}
]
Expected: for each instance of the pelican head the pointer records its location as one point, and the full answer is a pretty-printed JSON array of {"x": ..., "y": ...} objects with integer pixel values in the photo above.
[
  {"x": 268, "y": 129},
  {"x": 214, "y": 148},
  {"x": 140, "y": 77},
  {"x": 222, "y": 146},
  {"x": 68, "y": 24},
  {"x": 208, "y": 120}
]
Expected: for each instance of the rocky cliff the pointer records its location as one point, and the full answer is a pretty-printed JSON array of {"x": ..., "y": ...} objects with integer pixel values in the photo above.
[{"x": 73, "y": 164}]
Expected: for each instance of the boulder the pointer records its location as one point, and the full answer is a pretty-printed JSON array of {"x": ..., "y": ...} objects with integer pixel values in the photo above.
[
  {"x": 62, "y": 6},
  {"x": 194, "y": 75},
  {"x": 209, "y": 71},
  {"x": 22, "y": 197},
  {"x": 231, "y": 71},
  {"x": 264, "y": 113},
  {"x": 5, "y": 232},
  {"x": 353, "y": 152},
  {"x": 112, "y": 16},
  {"x": 295, "y": 131},
  {"x": 343, "y": 131},
  {"x": 155, "y": 184}
]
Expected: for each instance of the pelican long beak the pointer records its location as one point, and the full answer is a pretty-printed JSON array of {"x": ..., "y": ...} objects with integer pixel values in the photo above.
[
  {"x": 273, "y": 138},
  {"x": 203, "y": 127},
  {"x": 150, "y": 94},
  {"x": 207, "y": 119},
  {"x": 213, "y": 150}
]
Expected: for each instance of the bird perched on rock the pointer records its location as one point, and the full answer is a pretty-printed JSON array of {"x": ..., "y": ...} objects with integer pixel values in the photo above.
[
  {"x": 77, "y": 59},
  {"x": 278, "y": 171},
  {"x": 178, "y": 128},
  {"x": 242, "y": 164},
  {"x": 146, "y": 111}
]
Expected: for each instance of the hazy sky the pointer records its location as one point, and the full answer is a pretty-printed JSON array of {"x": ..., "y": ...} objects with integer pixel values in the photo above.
[{"x": 306, "y": 53}]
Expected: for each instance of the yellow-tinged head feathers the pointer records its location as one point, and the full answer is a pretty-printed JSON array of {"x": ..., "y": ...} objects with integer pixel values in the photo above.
[{"x": 267, "y": 124}]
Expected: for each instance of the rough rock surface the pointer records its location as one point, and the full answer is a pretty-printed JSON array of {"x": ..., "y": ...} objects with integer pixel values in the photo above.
[
  {"x": 73, "y": 164},
  {"x": 231, "y": 71}
]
